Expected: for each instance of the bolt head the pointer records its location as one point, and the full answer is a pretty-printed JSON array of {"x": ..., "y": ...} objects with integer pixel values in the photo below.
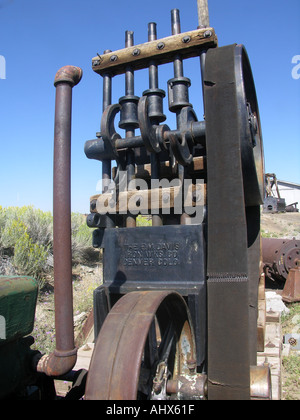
[
  {"x": 207, "y": 34},
  {"x": 186, "y": 39},
  {"x": 136, "y": 52},
  {"x": 95, "y": 63},
  {"x": 160, "y": 46}
]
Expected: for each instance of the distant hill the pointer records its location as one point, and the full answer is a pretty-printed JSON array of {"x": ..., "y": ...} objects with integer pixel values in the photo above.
[{"x": 281, "y": 225}]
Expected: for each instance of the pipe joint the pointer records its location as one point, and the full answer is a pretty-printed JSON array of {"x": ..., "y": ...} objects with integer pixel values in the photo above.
[
  {"x": 57, "y": 363},
  {"x": 68, "y": 74}
]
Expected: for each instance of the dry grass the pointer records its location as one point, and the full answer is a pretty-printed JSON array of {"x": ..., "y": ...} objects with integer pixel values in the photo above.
[{"x": 291, "y": 364}]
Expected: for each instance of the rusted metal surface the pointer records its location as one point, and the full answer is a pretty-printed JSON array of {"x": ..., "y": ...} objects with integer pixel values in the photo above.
[
  {"x": 291, "y": 291},
  {"x": 279, "y": 257},
  {"x": 129, "y": 348},
  {"x": 69, "y": 75},
  {"x": 189, "y": 387},
  {"x": 64, "y": 357},
  {"x": 57, "y": 363}
]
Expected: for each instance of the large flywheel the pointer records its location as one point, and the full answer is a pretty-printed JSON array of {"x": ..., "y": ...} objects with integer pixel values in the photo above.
[
  {"x": 230, "y": 94},
  {"x": 235, "y": 179},
  {"x": 144, "y": 345}
]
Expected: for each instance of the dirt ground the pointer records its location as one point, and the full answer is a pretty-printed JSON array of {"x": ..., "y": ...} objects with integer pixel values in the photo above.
[{"x": 281, "y": 225}]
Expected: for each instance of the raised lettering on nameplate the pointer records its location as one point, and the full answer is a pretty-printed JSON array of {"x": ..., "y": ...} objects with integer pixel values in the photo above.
[
  {"x": 160, "y": 254},
  {"x": 173, "y": 254}
]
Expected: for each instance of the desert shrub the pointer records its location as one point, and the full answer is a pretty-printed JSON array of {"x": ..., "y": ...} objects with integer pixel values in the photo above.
[
  {"x": 6, "y": 265},
  {"x": 26, "y": 240},
  {"x": 2, "y": 219},
  {"x": 81, "y": 239},
  {"x": 12, "y": 231},
  {"x": 30, "y": 258},
  {"x": 39, "y": 225},
  {"x": 143, "y": 220},
  {"x": 44, "y": 336}
]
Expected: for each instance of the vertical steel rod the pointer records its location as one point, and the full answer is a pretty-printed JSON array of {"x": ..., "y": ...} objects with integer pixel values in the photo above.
[
  {"x": 106, "y": 164},
  {"x": 178, "y": 73},
  {"x": 203, "y": 15},
  {"x": 203, "y": 20},
  {"x": 130, "y": 158},
  {"x": 153, "y": 71},
  {"x": 153, "y": 84},
  {"x": 176, "y": 29}
]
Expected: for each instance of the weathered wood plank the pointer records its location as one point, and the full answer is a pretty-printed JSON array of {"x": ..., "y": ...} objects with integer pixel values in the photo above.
[{"x": 187, "y": 44}]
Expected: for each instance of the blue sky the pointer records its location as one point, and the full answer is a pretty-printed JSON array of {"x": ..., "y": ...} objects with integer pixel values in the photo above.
[{"x": 37, "y": 37}]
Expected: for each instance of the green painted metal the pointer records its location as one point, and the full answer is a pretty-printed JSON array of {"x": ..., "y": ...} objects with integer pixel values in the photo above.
[
  {"x": 18, "y": 296},
  {"x": 16, "y": 367}
]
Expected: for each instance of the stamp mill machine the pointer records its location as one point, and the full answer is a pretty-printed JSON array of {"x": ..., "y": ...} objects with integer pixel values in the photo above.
[{"x": 176, "y": 315}]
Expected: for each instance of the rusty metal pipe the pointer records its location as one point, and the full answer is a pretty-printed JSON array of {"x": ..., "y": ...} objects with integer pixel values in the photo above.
[{"x": 63, "y": 359}]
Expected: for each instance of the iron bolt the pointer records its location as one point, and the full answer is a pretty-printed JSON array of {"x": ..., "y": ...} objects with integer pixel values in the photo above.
[
  {"x": 96, "y": 63},
  {"x": 166, "y": 198},
  {"x": 136, "y": 52},
  {"x": 196, "y": 196},
  {"x": 113, "y": 58},
  {"x": 186, "y": 39},
  {"x": 160, "y": 46},
  {"x": 207, "y": 34}
]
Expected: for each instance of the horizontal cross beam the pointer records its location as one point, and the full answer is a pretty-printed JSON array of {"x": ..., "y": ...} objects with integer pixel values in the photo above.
[{"x": 187, "y": 44}]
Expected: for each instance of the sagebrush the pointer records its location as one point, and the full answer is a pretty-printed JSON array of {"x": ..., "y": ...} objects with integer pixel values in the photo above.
[{"x": 26, "y": 241}]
